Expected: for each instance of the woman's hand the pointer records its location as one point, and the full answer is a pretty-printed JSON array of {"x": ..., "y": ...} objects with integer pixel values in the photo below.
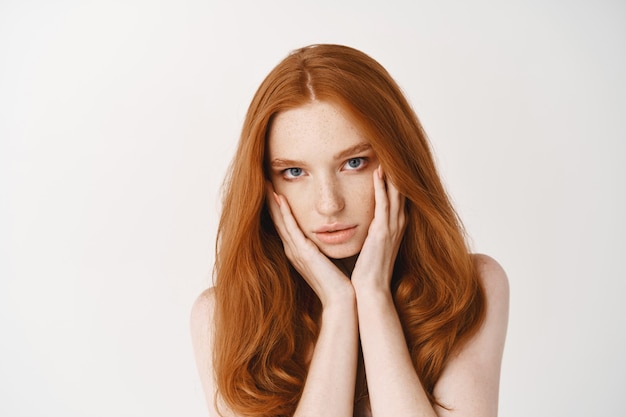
[
  {"x": 328, "y": 282},
  {"x": 374, "y": 267}
]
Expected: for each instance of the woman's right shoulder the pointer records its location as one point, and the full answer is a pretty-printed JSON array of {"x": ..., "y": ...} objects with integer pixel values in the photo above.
[
  {"x": 202, "y": 339},
  {"x": 204, "y": 303},
  {"x": 201, "y": 323},
  {"x": 201, "y": 319}
]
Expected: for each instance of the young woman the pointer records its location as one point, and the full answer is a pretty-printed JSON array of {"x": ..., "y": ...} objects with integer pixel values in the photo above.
[{"x": 343, "y": 282}]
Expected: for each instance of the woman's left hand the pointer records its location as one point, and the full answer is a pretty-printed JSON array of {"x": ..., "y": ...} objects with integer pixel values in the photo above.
[{"x": 374, "y": 266}]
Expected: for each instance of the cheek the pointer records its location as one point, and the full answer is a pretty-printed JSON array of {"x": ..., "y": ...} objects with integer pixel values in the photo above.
[
  {"x": 363, "y": 196},
  {"x": 298, "y": 202}
]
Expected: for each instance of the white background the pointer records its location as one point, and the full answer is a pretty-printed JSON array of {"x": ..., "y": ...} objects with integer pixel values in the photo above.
[{"x": 117, "y": 121}]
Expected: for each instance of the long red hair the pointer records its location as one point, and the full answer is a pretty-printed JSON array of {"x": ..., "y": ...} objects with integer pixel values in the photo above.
[{"x": 266, "y": 316}]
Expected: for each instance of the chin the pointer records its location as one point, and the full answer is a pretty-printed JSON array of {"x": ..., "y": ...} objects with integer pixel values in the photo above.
[{"x": 343, "y": 252}]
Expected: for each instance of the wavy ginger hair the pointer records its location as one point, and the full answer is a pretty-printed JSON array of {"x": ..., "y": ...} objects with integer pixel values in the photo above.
[{"x": 266, "y": 316}]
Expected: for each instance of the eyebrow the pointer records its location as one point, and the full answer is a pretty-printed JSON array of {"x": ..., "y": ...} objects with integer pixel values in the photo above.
[
  {"x": 358, "y": 148},
  {"x": 286, "y": 163}
]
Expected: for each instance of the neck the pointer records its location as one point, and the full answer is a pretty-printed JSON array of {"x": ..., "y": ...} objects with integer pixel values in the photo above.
[{"x": 346, "y": 265}]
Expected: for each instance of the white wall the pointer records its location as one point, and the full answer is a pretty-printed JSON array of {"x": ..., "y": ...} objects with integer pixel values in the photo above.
[{"x": 117, "y": 120}]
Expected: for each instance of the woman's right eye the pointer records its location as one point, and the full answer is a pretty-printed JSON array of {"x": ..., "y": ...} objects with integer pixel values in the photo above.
[{"x": 293, "y": 172}]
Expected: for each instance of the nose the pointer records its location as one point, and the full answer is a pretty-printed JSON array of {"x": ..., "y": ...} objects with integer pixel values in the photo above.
[{"x": 329, "y": 199}]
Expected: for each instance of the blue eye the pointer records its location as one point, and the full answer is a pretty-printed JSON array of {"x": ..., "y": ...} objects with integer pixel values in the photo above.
[
  {"x": 355, "y": 163},
  {"x": 293, "y": 172}
]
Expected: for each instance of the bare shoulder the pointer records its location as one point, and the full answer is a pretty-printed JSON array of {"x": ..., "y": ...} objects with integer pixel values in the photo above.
[
  {"x": 496, "y": 286},
  {"x": 202, "y": 314},
  {"x": 201, "y": 323},
  {"x": 488, "y": 342},
  {"x": 493, "y": 278},
  {"x": 203, "y": 305},
  {"x": 469, "y": 384}
]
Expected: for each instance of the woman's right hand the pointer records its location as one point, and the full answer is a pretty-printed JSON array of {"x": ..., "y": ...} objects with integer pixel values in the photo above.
[{"x": 324, "y": 277}]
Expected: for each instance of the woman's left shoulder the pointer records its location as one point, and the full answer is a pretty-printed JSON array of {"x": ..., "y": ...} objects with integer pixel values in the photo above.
[
  {"x": 496, "y": 289},
  {"x": 493, "y": 278},
  {"x": 470, "y": 381}
]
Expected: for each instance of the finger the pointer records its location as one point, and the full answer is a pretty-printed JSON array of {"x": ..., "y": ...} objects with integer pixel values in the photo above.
[
  {"x": 284, "y": 222},
  {"x": 290, "y": 224},
  {"x": 380, "y": 195},
  {"x": 273, "y": 203},
  {"x": 396, "y": 204}
]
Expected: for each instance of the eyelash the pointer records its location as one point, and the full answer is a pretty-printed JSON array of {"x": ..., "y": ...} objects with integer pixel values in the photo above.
[{"x": 288, "y": 175}]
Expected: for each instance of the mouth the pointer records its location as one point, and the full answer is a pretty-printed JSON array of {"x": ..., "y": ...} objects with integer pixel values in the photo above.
[{"x": 335, "y": 234}]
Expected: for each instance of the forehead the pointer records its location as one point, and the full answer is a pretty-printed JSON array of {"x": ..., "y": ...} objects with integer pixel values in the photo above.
[{"x": 314, "y": 127}]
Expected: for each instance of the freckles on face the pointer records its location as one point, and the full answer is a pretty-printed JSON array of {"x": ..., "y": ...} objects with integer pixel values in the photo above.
[{"x": 323, "y": 165}]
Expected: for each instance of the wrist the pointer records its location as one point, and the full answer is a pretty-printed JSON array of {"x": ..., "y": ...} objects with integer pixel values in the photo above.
[
  {"x": 371, "y": 287},
  {"x": 373, "y": 295},
  {"x": 341, "y": 297}
]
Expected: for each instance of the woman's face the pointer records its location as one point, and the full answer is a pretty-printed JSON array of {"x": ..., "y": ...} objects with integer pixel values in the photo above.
[{"x": 322, "y": 164}]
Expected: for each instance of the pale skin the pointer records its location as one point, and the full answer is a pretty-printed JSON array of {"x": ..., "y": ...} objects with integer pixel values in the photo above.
[{"x": 341, "y": 222}]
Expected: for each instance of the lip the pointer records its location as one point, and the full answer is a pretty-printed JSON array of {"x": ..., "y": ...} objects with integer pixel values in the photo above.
[{"x": 335, "y": 233}]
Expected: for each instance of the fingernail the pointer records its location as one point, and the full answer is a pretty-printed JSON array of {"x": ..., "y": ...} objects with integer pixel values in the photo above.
[{"x": 380, "y": 171}]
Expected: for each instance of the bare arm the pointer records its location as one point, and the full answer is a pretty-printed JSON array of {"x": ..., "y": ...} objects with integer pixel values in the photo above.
[
  {"x": 329, "y": 388},
  {"x": 394, "y": 387},
  {"x": 469, "y": 383}
]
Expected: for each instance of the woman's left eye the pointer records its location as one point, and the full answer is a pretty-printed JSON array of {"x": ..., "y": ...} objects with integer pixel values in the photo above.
[{"x": 355, "y": 163}]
